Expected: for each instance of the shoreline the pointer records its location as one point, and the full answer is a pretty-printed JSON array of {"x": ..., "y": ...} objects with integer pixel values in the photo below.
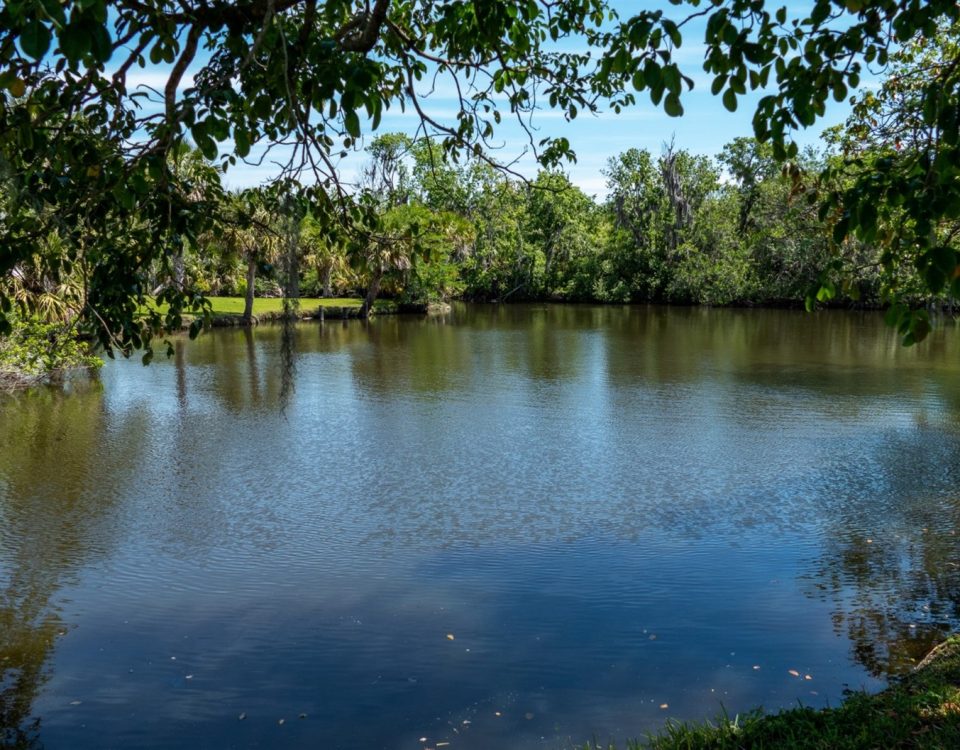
[{"x": 920, "y": 711}]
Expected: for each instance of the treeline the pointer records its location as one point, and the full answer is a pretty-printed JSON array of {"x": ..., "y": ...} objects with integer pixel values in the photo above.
[{"x": 675, "y": 227}]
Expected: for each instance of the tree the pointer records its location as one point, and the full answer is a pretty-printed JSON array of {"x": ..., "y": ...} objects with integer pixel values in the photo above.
[
  {"x": 749, "y": 163},
  {"x": 314, "y": 74},
  {"x": 560, "y": 219},
  {"x": 895, "y": 184},
  {"x": 635, "y": 198},
  {"x": 325, "y": 250},
  {"x": 248, "y": 234},
  {"x": 300, "y": 72}
]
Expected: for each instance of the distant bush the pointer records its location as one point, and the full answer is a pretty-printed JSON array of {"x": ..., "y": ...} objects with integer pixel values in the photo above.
[{"x": 37, "y": 352}]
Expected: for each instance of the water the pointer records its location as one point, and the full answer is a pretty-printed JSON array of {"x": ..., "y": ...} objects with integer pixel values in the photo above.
[{"x": 610, "y": 510}]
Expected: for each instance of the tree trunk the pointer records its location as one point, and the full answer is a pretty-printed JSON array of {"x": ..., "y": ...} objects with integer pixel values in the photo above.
[
  {"x": 327, "y": 281},
  {"x": 372, "y": 291},
  {"x": 179, "y": 270},
  {"x": 251, "y": 278},
  {"x": 292, "y": 286}
]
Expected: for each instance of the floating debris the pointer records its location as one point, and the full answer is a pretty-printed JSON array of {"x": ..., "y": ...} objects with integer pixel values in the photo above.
[
  {"x": 75, "y": 703},
  {"x": 497, "y": 713},
  {"x": 188, "y": 677},
  {"x": 664, "y": 705},
  {"x": 281, "y": 722},
  {"x": 442, "y": 744},
  {"x": 756, "y": 666},
  {"x": 449, "y": 636},
  {"x": 807, "y": 677},
  {"x": 794, "y": 672},
  {"x": 302, "y": 716},
  {"x": 242, "y": 716}
]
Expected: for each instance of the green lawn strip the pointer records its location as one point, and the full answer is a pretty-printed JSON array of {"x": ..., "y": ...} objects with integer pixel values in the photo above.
[
  {"x": 920, "y": 711},
  {"x": 274, "y": 305}
]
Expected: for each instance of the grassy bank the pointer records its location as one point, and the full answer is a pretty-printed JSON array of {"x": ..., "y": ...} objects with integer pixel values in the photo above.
[
  {"x": 921, "y": 711},
  {"x": 268, "y": 307}
]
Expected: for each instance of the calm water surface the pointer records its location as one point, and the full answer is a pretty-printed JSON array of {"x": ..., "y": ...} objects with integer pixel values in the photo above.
[{"x": 505, "y": 527}]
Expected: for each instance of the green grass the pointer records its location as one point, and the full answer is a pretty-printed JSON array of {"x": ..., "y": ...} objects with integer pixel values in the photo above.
[
  {"x": 920, "y": 712},
  {"x": 262, "y": 305},
  {"x": 272, "y": 305}
]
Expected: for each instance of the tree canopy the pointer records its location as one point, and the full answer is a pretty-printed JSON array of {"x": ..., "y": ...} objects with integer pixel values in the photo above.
[{"x": 90, "y": 162}]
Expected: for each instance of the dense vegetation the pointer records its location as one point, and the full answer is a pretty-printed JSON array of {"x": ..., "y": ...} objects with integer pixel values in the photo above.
[
  {"x": 676, "y": 227},
  {"x": 102, "y": 193}
]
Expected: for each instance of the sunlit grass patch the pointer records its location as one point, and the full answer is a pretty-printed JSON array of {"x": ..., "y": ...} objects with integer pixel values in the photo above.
[{"x": 265, "y": 305}]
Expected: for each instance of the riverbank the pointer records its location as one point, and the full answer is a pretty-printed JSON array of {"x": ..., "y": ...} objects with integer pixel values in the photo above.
[
  {"x": 227, "y": 312},
  {"x": 920, "y": 711}
]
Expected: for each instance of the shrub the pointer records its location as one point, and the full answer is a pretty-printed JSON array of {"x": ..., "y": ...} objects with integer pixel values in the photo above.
[{"x": 37, "y": 352}]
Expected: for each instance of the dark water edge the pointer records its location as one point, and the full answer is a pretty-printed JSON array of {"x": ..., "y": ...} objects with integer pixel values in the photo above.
[{"x": 609, "y": 509}]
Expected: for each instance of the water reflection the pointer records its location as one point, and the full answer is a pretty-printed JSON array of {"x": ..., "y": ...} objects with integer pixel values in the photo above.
[
  {"x": 610, "y": 508},
  {"x": 51, "y": 525},
  {"x": 288, "y": 359},
  {"x": 893, "y": 575}
]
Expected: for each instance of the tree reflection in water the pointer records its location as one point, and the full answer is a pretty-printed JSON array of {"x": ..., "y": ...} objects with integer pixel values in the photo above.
[
  {"x": 288, "y": 360},
  {"x": 53, "y": 523},
  {"x": 896, "y": 589}
]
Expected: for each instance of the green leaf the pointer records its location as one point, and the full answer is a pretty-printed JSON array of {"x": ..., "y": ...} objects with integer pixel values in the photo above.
[
  {"x": 935, "y": 278},
  {"x": 730, "y": 100},
  {"x": 17, "y": 88},
  {"x": 352, "y": 123},
  {"x": 840, "y": 229},
  {"x": 672, "y": 106},
  {"x": 75, "y": 41},
  {"x": 101, "y": 44},
  {"x": 652, "y": 74},
  {"x": 207, "y": 146},
  {"x": 35, "y": 39},
  {"x": 242, "y": 141}
]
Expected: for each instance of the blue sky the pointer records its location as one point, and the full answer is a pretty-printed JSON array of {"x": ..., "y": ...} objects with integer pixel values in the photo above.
[{"x": 704, "y": 128}]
